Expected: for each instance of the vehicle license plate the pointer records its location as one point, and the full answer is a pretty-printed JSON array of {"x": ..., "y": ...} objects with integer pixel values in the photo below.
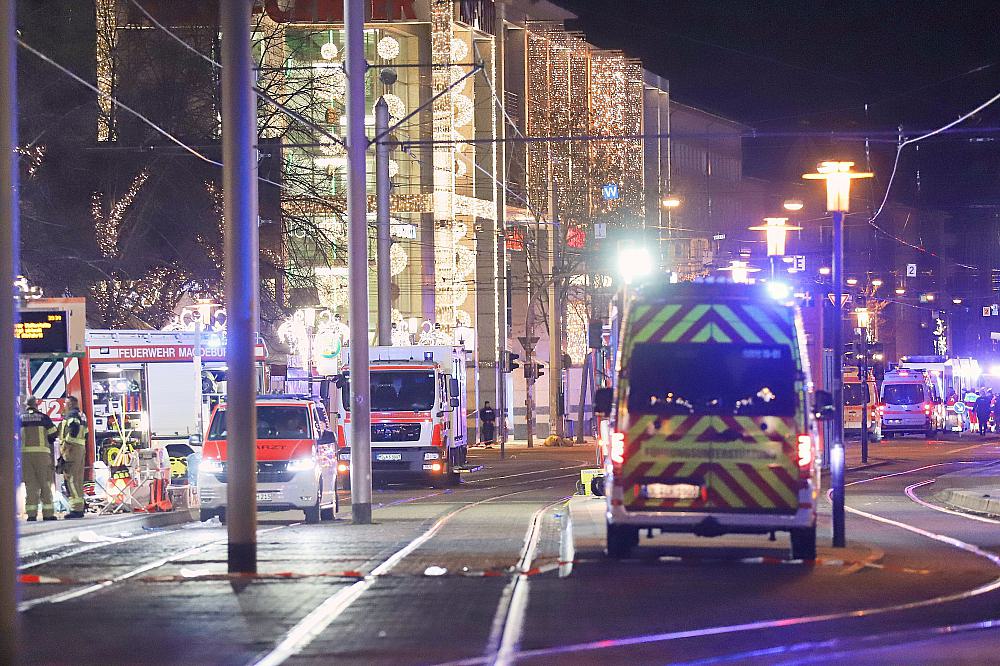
[
  {"x": 389, "y": 456},
  {"x": 672, "y": 491},
  {"x": 265, "y": 496}
]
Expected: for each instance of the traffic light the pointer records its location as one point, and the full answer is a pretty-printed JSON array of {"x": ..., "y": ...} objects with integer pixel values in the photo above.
[
  {"x": 539, "y": 370},
  {"x": 529, "y": 370},
  {"x": 509, "y": 362}
]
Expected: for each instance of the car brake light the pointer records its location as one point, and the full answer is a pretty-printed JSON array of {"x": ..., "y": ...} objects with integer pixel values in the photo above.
[
  {"x": 341, "y": 436},
  {"x": 436, "y": 436},
  {"x": 436, "y": 467},
  {"x": 343, "y": 468},
  {"x": 805, "y": 451},
  {"x": 618, "y": 447}
]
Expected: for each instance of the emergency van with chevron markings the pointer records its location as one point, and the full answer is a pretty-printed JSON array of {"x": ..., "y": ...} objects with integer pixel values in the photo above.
[{"x": 710, "y": 427}]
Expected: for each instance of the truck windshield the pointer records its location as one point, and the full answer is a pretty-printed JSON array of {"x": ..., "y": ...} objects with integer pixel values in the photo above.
[
  {"x": 902, "y": 394},
  {"x": 854, "y": 394},
  {"x": 693, "y": 378},
  {"x": 399, "y": 391},
  {"x": 273, "y": 422}
]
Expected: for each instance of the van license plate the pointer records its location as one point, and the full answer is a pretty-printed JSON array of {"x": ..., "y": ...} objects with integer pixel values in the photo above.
[
  {"x": 389, "y": 456},
  {"x": 265, "y": 497},
  {"x": 672, "y": 491}
]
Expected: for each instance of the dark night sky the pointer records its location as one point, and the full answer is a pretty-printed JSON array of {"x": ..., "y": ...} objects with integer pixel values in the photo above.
[{"x": 796, "y": 66}]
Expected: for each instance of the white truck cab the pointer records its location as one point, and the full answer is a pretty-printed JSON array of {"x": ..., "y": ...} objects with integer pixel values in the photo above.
[{"x": 418, "y": 414}]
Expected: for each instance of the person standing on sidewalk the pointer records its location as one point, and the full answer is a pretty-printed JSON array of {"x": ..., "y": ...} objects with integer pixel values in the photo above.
[
  {"x": 73, "y": 449},
  {"x": 488, "y": 419},
  {"x": 38, "y": 435},
  {"x": 982, "y": 410}
]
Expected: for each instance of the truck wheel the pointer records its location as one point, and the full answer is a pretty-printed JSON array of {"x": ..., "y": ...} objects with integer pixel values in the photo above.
[
  {"x": 887, "y": 435},
  {"x": 804, "y": 543},
  {"x": 221, "y": 513},
  {"x": 206, "y": 514},
  {"x": 313, "y": 513},
  {"x": 929, "y": 433},
  {"x": 621, "y": 540}
]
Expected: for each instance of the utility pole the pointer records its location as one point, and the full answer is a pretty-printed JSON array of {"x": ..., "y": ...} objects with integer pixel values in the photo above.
[
  {"x": 239, "y": 175},
  {"x": 528, "y": 344},
  {"x": 384, "y": 238},
  {"x": 500, "y": 264},
  {"x": 554, "y": 265},
  {"x": 863, "y": 370},
  {"x": 357, "y": 263},
  {"x": 9, "y": 262}
]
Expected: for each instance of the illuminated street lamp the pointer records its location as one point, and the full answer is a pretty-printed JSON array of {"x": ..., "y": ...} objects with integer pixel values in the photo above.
[
  {"x": 956, "y": 301},
  {"x": 793, "y": 205},
  {"x": 740, "y": 271},
  {"x": 900, "y": 291},
  {"x": 852, "y": 282},
  {"x": 634, "y": 262},
  {"x": 670, "y": 200},
  {"x": 876, "y": 283},
  {"x": 775, "y": 229},
  {"x": 838, "y": 177}
]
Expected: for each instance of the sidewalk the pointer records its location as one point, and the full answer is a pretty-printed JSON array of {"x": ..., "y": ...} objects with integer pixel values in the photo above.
[{"x": 41, "y": 536}]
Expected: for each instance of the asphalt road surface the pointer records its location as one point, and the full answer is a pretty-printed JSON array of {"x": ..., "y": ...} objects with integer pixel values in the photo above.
[{"x": 508, "y": 569}]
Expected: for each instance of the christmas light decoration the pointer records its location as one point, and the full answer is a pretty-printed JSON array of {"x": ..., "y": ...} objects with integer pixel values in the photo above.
[
  {"x": 328, "y": 51},
  {"x": 398, "y": 259},
  {"x": 107, "y": 225},
  {"x": 464, "y": 109},
  {"x": 393, "y": 168},
  {"x": 397, "y": 108},
  {"x": 459, "y": 49},
  {"x": 387, "y": 48}
]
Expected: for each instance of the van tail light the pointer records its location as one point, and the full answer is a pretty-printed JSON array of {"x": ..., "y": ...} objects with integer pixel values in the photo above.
[
  {"x": 341, "y": 437},
  {"x": 927, "y": 408},
  {"x": 436, "y": 439},
  {"x": 805, "y": 453},
  {"x": 617, "y": 447}
]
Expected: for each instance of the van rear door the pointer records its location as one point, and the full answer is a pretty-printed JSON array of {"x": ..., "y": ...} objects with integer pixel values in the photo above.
[{"x": 713, "y": 418}]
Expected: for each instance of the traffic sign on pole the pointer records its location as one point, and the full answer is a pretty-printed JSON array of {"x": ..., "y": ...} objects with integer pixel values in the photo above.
[
  {"x": 528, "y": 342},
  {"x": 610, "y": 191}
]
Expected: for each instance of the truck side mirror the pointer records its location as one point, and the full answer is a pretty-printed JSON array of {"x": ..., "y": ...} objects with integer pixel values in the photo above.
[
  {"x": 823, "y": 407},
  {"x": 454, "y": 402},
  {"x": 326, "y": 437},
  {"x": 602, "y": 401},
  {"x": 453, "y": 388}
]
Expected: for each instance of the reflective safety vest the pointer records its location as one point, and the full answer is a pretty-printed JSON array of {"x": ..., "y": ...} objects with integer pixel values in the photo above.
[
  {"x": 73, "y": 429},
  {"x": 37, "y": 432}
]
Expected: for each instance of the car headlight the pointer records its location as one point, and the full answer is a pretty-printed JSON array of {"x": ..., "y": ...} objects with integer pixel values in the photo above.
[
  {"x": 432, "y": 456},
  {"x": 212, "y": 466},
  {"x": 301, "y": 465}
]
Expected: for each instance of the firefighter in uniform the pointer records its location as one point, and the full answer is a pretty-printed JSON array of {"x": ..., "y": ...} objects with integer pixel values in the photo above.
[
  {"x": 73, "y": 449},
  {"x": 38, "y": 434}
]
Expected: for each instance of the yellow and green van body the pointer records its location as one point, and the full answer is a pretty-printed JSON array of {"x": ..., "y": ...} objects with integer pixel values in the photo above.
[{"x": 710, "y": 431}]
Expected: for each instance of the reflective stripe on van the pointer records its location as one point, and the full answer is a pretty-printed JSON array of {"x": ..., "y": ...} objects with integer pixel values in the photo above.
[
  {"x": 734, "y": 462},
  {"x": 716, "y": 322}
]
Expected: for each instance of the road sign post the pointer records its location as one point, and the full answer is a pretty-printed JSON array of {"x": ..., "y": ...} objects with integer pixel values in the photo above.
[{"x": 528, "y": 344}]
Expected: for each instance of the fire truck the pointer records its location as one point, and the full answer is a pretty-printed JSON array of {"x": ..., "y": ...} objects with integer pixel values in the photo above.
[
  {"x": 418, "y": 413},
  {"x": 142, "y": 389}
]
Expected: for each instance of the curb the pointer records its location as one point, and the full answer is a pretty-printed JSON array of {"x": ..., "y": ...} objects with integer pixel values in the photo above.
[
  {"x": 980, "y": 502},
  {"x": 34, "y": 544}
]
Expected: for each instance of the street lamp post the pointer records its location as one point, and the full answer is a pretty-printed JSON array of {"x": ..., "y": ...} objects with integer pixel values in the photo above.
[
  {"x": 775, "y": 228},
  {"x": 864, "y": 322},
  {"x": 838, "y": 177}
]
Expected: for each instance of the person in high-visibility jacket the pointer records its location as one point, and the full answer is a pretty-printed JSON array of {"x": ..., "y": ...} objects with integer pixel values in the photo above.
[
  {"x": 73, "y": 449},
  {"x": 38, "y": 435}
]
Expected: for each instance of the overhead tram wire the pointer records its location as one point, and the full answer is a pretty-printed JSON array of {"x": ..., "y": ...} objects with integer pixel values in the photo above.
[
  {"x": 895, "y": 167},
  {"x": 257, "y": 91}
]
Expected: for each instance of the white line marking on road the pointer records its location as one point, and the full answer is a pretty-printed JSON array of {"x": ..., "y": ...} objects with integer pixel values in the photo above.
[
  {"x": 913, "y": 496},
  {"x": 789, "y": 621},
  {"x": 541, "y": 471},
  {"x": 508, "y": 622},
  {"x": 966, "y": 448},
  {"x": 313, "y": 624},
  {"x": 76, "y": 551},
  {"x": 149, "y": 566}
]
